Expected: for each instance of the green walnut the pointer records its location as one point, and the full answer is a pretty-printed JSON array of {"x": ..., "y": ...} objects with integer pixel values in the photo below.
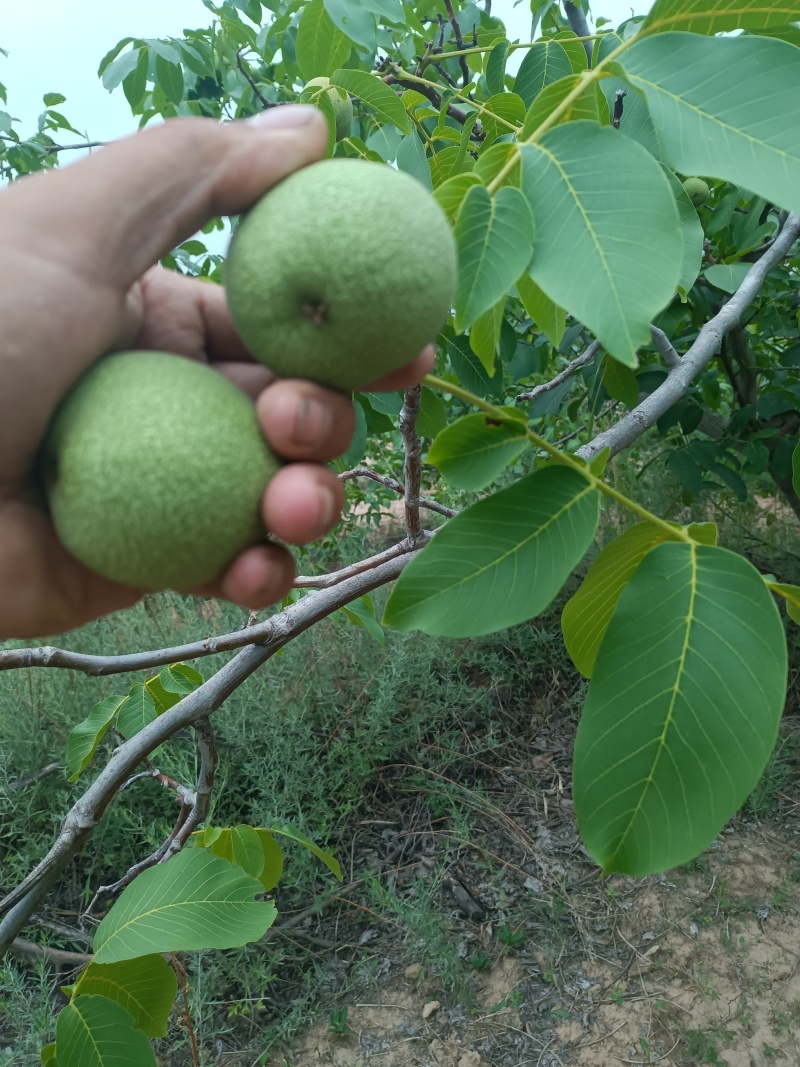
[
  {"x": 697, "y": 191},
  {"x": 154, "y": 468},
  {"x": 342, "y": 107},
  {"x": 342, "y": 273}
]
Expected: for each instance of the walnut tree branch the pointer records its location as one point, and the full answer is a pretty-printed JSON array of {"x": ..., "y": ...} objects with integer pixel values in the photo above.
[
  {"x": 579, "y": 26},
  {"x": 562, "y": 376},
  {"x": 249, "y": 78},
  {"x": 465, "y": 72},
  {"x": 86, "y": 813},
  {"x": 412, "y": 445},
  {"x": 390, "y": 483},
  {"x": 705, "y": 347},
  {"x": 665, "y": 347}
]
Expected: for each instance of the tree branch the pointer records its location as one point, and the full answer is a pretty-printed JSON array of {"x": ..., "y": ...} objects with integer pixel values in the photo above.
[
  {"x": 465, "y": 73},
  {"x": 562, "y": 376},
  {"x": 579, "y": 26},
  {"x": 249, "y": 78},
  {"x": 412, "y": 445},
  {"x": 84, "y": 816},
  {"x": 665, "y": 347},
  {"x": 631, "y": 427}
]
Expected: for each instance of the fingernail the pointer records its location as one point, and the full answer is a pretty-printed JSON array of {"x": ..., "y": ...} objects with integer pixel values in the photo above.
[
  {"x": 312, "y": 422},
  {"x": 283, "y": 116},
  {"x": 329, "y": 508}
]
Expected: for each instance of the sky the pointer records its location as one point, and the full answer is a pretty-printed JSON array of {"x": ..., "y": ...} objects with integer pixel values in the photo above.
[{"x": 56, "y": 46}]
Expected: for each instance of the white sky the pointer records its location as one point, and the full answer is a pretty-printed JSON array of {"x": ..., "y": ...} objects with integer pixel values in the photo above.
[{"x": 56, "y": 46}]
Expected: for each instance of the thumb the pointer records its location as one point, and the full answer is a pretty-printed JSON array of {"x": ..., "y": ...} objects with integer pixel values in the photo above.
[{"x": 119, "y": 211}]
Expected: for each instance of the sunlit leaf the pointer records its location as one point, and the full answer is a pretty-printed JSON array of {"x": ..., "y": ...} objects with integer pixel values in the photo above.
[
  {"x": 586, "y": 615},
  {"x": 546, "y": 62},
  {"x": 87, "y": 735},
  {"x": 472, "y": 451},
  {"x": 194, "y": 901},
  {"x": 145, "y": 987},
  {"x": 137, "y": 711},
  {"x": 499, "y": 562},
  {"x": 682, "y": 711},
  {"x": 374, "y": 92},
  {"x": 321, "y": 47},
  {"x": 608, "y": 242},
  {"x": 716, "y": 16},
  {"x": 791, "y": 595}
]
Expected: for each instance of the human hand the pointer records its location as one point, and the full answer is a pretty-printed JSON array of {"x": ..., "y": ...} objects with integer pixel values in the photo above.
[{"x": 77, "y": 279}]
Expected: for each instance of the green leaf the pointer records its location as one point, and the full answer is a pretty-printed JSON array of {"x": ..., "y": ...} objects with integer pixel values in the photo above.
[
  {"x": 273, "y": 860},
  {"x": 496, "y": 67},
  {"x": 93, "y": 1031},
  {"x": 471, "y": 452},
  {"x": 470, "y": 371},
  {"x": 432, "y": 417},
  {"x": 717, "y": 16},
  {"x": 321, "y": 47},
  {"x": 52, "y": 99},
  {"x": 111, "y": 55},
  {"x": 543, "y": 64},
  {"x": 170, "y": 78},
  {"x": 361, "y": 613},
  {"x": 495, "y": 239},
  {"x": 87, "y": 735},
  {"x": 162, "y": 699},
  {"x": 120, "y": 68},
  {"x": 48, "y": 1054},
  {"x": 548, "y": 316},
  {"x": 240, "y": 845},
  {"x": 791, "y": 594},
  {"x": 358, "y": 445},
  {"x": 510, "y": 111},
  {"x": 499, "y": 562},
  {"x": 620, "y": 382},
  {"x": 386, "y": 104},
  {"x": 180, "y": 678},
  {"x": 286, "y": 830},
  {"x": 574, "y": 48},
  {"x": 192, "y": 902},
  {"x": 355, "y": 21},
  {"x": 146, "y": 988},
  {"x": 485, "y": 335},
  {"x": 727, "y": 276},
  {"x": 692, "y": 232},
  {"x": 136, "y": 711},
  {"x": 586, "y": 615},
  {"x": 796, "y": 469},
  {"x": 412, "y": 159},
  {"x": 724, "y": 106},
  {"x": 597, "y": 199},
  {"x": 135, "y": 83},
  {"x": 682, "y": 711},
  {"x": 583, "y": 107}
]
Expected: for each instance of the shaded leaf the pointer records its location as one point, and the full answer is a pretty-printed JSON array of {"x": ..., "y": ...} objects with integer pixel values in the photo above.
[
  {"x": 485, "y": 335},
  {"x": 796, "y": 469},
  {"x": 360, "y": 613},
  {"x": 170, "y": 78},
  {"x": 194, "y": 901},
  {"x": 48, "y": 1054},
  {"x": 93, "y": 1031},
  {"x": 240, "y": 845},
  {"x": 500, "y": 561},
  {"x": 330, "y": 861},
  {"x": 145, "y": 987},
  {"x": 724, "y": 106},
  {"x": 587, "y": 613},
  {"x": 620, "y": 383},
  {"x": 355, "y": 20},
  {"x": 470, "y": 371},
  {"x": 495, "y": 239},
  {"x": 496, "y": 67},
  {"x": 692, "y": 232},
  {"x": 727, "y": 276},
  {"x": 791, "y": 594},
  {"x": 682, "y": 711},
  {"x": 472, "y": 451},
  {"x": 432, "y": 417},
  {"x": 607, "y": 201}
]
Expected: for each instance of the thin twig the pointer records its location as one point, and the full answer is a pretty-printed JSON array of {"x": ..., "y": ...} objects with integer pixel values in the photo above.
[
  {"x": 562, "y": 376},
  {"x": 249, "y": 77},
  {"x": 390, "y": 483},
  {"x": 23, "y": 783},
  {"x": 412, "y": 444},
  {"x": 706, "y": 345},
  {"x": 180, "y": 972},
  {"x": 323, "y": 581},
  {"x": 465, "y": 72}
]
